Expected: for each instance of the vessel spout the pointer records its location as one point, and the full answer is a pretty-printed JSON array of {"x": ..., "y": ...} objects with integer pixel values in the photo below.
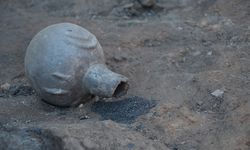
[{"x": 101, "y": 81}]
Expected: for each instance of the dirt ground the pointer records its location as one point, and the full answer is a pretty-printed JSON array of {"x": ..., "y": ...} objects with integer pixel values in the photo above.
[{"x": 188, "y": 62}]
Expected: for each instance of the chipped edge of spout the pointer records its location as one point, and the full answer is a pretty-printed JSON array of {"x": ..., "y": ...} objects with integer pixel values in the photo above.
[{"x": 101, "y": 81}]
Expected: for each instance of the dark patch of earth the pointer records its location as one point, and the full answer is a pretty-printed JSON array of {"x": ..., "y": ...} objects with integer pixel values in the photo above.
[
  {"x": 17, "y": 90},
  {"x": 125, "y": 110}
]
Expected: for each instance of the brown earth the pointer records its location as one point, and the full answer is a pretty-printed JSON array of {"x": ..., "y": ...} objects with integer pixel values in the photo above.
[{"x": 177, "y": 53}]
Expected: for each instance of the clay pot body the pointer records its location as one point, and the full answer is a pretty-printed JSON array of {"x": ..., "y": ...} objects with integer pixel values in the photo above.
[{"x": 65, "y": 65}]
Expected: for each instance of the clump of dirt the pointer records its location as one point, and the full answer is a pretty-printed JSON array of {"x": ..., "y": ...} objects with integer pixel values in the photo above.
[
  {"x": 29, "y": 139},
  {"x": 125, "y": 110},
  {"x": 136, "y": 9},
  {"x": 17, "y": 90}
]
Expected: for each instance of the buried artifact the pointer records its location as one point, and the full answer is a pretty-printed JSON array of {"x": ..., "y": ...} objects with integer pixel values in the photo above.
[{"x": 66, "y": 66}]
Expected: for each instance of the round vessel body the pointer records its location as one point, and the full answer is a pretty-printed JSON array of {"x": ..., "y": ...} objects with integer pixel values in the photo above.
[{"x": 57, "y": 59}]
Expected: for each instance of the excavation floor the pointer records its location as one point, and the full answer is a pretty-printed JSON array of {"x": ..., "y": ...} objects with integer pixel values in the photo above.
[{"x": 188, "y": 62}]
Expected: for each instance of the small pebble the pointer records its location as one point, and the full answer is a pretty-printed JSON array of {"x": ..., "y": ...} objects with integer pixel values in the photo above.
[
  {"x": 209, "y": 53},
  {"x": 5, "y": 86},
  {"x": 80, "y": 106},
  {"x": 147, "y": 3},
  {"x": 199, "y": 103},
  {"x": 218, "y": 93},
  {"x": 196, "y": 53},
  {"x": 179, "y": 28},
  {"x": 84, "y": 117}
]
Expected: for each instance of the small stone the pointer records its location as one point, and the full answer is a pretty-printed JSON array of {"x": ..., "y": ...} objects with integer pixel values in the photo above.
[
  {"x": 84, "y": 117},
  {"x": 218, "y": 93},
  {"x": 130, "y": 5},
  {"x": 5, "y": 86},
  {"x": 203, "y": 23},
  {"x": 28, "y": 121},
  {"x": 196, "y": 53},
  {"x": 119, "y": 58},
  {"x": 209, "y": 53},
  {"x": 80, "y": 106},
  {"x": 199, "y": 103},
  {"x": 179, "y": 28},
  {"x": 147, "y": 3}
]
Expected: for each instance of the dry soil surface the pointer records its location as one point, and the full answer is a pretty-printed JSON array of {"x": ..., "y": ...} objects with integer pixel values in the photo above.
[{"x": 188, "y": 62}]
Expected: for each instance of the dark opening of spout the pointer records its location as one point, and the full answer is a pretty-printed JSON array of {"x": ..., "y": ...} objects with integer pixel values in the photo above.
[{"x": 121, "y": 89}]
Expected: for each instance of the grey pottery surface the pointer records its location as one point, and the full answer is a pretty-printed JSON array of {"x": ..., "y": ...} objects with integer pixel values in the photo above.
[{"x": 57, "y": 60}]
